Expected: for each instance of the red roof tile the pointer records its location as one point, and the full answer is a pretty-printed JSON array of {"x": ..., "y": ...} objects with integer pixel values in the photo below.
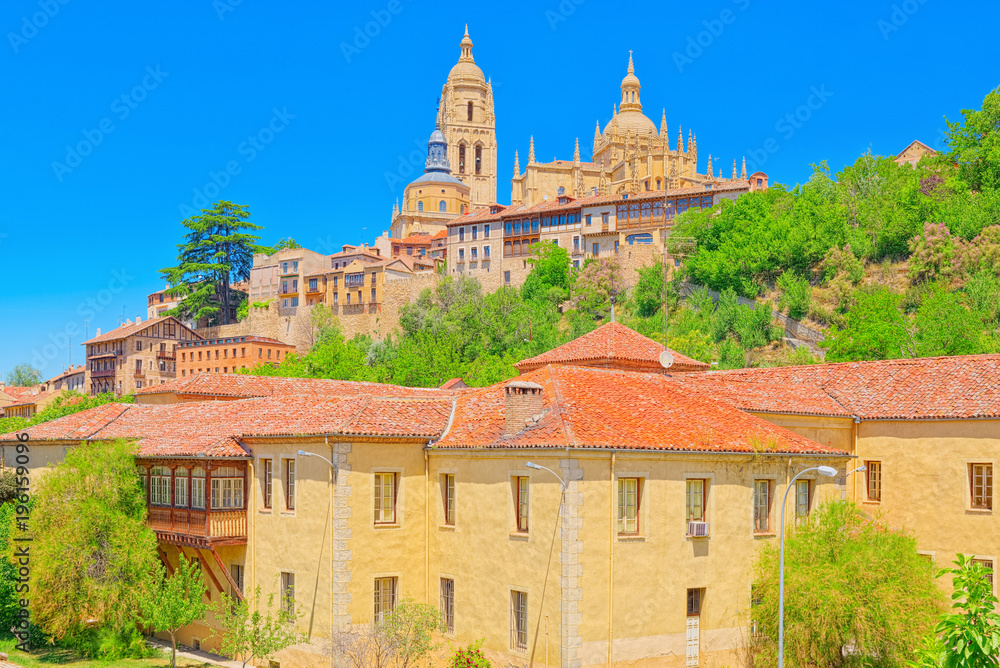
[
  {"x": 240, "y": 385},
  {"x": 613, "y": 345},
  {"x": 601, "y": 408}
]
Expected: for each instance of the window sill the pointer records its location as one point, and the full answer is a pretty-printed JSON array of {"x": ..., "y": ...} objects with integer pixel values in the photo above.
[
  {"x": 266, "y": 511},
  {"x": 394, "y": 525},
  {"x": 518, "y": 535},
  {"x": 979, "y": 511},
  {"x": 446, "y": 527},
  {"x": 688, "y": 536},
  {"x": 866, "y": 502},
  {"x": 768, "y": 534},
  {"x": 631, "y": 538}
]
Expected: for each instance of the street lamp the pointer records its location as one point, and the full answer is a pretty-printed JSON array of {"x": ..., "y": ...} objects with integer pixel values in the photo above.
[
  {"x": 828, "y": 471},
  {"x": 539, "y": 467},
  {"x": 303, "y": 453}
]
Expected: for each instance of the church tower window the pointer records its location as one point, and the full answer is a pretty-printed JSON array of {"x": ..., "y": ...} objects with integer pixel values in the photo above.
[
  {"x": 420, "y": 206},
  {"x": 479, "y": 158},
  {"x": 470, "y": 111},
  {"x": 461, "y": 158},
  {"x": 442, "y": 206}
]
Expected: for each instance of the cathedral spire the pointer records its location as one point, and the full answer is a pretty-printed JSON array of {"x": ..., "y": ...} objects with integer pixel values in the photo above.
[
  {"x": 680, "y": 139},
  {"x": 395, "y": 208},
  {"x": 630, "y": 89},
  {"x": 734, "y": 170},
  {"x": 576, "y": 151},
  {"x": 663, "y": 125},
  {"x": 614, "y": 110},
  {"x": 693, "y": 146},
  {"x": 743, "y": 174},
  {"x": 517, "y": 167},
  {"x": 710, "y": 175},
  {"x": 531, "y": 150},
  {"x": 597, "y": 134},
  {"x": 466, "y": 45}
]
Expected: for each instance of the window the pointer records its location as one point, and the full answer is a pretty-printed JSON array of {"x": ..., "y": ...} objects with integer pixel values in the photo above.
[
  {"x": 448, "y": 604},
  {"x": 694, "y": 597},
  {"x": 981, "y": 482},
  {"x": 475, "y": 232},
  {"x": 442, "y": 206},
  {"x": 420, "y": 206},
  {"x": 519, "y": 621},
  {"x": 469, "y": 111},
  {"x": 159, "y": 486},
  {"x": 587, "y": 219},
  {"x": 198, "y": 488},
  {"x": 988, "y": 564},
  {"x": 290, "y": 484},
  {"x": 520, "y": 486},
  {"x": 181, "y": 487},
  {"x": 267, "y": 477},
  {"x": 596, "y": 249},
  {"x": 448, "y": 497},
  {"x": 486, "y": 252},
  {"x": 461, "y": 234},
  {"x": 236, "y": 572},
  {"x": 385, "y": 498},
  {"x": 479, "y": 159},
  {"x": 873, "y": 480},
  {"x": 461, "y": 255},
  {"x": 803, "y": 494},
  {"x": 461, "y": 158},
  {"x": 288, "y": 592},
  {"x": 695, "y": 501},
  {"x": 227, "y": 488},
  {"x": 576, "y": 244},
  {"x": 761, "y": 506},
  {"x": 385, "y": 597},
  {"x": 506, "y": 277},
  {"x": 374, "y": 299},
  {"x": 628, "y": 505},
  {"x": 486, "y": 231},
  {"x": 605, "y": 217}
]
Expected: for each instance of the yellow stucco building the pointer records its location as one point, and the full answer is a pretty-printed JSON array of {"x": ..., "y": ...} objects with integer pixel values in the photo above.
[{"x": 597, "y": 510}]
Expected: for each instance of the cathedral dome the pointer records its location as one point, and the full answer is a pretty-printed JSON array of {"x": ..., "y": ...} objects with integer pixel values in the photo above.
[
  {"x": 466, "y": 68},
  {"x": 634, "y": 121}
]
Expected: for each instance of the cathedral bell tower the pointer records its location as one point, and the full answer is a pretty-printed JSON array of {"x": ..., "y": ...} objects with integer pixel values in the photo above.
[{"x": 467, "y": 120}]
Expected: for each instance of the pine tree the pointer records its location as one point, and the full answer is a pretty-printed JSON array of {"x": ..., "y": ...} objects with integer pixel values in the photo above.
[{"x": 217, "y": 251}]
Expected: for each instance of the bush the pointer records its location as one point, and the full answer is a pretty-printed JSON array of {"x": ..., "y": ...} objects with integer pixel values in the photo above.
[
  {"x": 795, "y": 295},
  {"x": 932, "y": 254},
  {"x": 108, "y": 644},
  {"x": 469, "y": 657}
]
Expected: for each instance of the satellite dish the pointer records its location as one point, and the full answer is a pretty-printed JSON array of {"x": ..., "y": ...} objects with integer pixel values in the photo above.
[{"x": 666, "y": 359}]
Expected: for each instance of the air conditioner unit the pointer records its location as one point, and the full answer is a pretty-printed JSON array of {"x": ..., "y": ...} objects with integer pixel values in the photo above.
[{"x": 698, "y": 529}]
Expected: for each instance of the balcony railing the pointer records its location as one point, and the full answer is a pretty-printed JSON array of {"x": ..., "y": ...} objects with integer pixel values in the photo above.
[
  {"x": 103, "y": 373},
  {"x": 166, "y": 355},
  {"x": 139, "y": 373},
  {"x": 185, "y": 526}
]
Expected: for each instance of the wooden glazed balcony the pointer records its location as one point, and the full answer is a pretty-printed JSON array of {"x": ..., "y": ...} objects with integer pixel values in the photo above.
[{"x": 198, "y": 528}]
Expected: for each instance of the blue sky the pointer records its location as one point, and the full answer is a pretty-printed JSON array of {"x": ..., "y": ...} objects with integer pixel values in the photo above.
[{"x": 116, "y": 115}]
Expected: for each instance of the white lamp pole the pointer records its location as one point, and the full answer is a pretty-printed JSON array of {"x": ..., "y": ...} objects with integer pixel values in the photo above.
[{"x": 828, "y": 471}]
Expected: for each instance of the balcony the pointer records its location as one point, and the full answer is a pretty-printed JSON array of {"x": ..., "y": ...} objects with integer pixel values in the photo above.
[
  {"x": 139, "y": 373},
  {"x": 104, "y": 373},
  {"x": 198, "y": 528},
  {"x": 314, "y": 290},
  {"x": 166, "y": 355}
]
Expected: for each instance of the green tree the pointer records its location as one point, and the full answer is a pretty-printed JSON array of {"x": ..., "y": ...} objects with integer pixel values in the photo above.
[
  {"x": 255, "y": 630},
  {"x": 598, "y": 283},
  {"x": 549, "y": 277},
  {"x": 856, "y": 593},
  {"x": 23, "y": 375},
  {"x": 282, "y": 244},
  {"x": 946, "y": 327},
  {"x": 795, "y": 294},
  {"x": 92, "y": 551},
  {"x": 975, "y": 144},
  {"x": 167, "y": 603},
  {"x": 217, "y": 251},
  {"x": 970, "y": 635},
  {"x": 875, "y": 330},
  {"x": 648, "y": 292}
]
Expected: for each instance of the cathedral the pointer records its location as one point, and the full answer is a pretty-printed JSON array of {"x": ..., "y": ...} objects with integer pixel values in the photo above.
[
  {"x": 629, "y": 156},
  {"x": 465, "y": 176}
]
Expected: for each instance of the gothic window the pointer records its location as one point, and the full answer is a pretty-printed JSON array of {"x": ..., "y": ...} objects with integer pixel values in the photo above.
[
  {"x": 442, "y": 206},
  {"x": 463, "y": 209},
  {"x": 479, "y": 158},
  {"x": 657, "y": 184},
  {"x": 420, "y": 206},
  {"x": 461, "y": 158},
  {"x": 470, "y": 110}
]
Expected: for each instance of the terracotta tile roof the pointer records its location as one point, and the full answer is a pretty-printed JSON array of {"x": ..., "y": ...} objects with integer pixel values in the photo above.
[
  {"x": 128, "y": 330},
  {"x": 215, "y": 429},
  {"x": 244, "y": 386},
  {"x": 72, "y": 371},
  {"x": 960, "y": 387},
  {"x": 443, "y": 234},
  {"x": 767, "y": 397},
  {"x": 610, "y": 344},
  {"x": 602, "y": 408},
  {"x": 454, "y": 383},
  {"x": 30, "y": 399}
]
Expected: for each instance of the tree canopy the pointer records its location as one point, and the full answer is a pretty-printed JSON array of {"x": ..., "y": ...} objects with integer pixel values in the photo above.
[
  {"x": 217, "y": 252},
  {"x": 23, "y": 375}
]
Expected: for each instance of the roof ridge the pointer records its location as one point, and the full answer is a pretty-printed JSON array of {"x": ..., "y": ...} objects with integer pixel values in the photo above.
[
  {"x": 561, "y": 414},
  {"x": 364, "y": 404},
  {"x": 125, "y": 408}
]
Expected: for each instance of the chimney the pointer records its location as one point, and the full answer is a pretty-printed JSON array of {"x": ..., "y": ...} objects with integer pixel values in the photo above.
[
  {"x": 138, "y": 319},
  {"x": 522, "y": 406},
  {"x": 98, "y": 332}
]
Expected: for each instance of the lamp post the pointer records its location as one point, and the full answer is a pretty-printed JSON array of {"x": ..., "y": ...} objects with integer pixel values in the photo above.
[
  {"x": 562, "y": 483},
  {"x": 828, "y": 471},
  {"x": 303, "y": 453}
]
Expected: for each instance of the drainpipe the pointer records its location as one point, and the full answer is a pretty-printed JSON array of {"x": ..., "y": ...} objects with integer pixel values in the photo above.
[
  {"x": 855, "y": 427},
  {"x": 427, "y": 529},
  {"x": 333, "y": 516},
  {"x": 611, "y": 566}
]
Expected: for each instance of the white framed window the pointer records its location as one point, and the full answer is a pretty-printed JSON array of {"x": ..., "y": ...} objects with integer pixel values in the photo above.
[
  {"x": 267, "y": 480},
  {"x": 519, "y": 620},
  {"x": 694, "y": 499},
  {"x": 159, "y": 486},
  {"x": 981, "y": 486},
  {"x": 288, "y": 592},
  {"x": 227, "y": 488},
  {"x": 181, "y": 487},
  {"x": 873, "y": 481},
  {"x": 762, "y": 506},
  {"x": 448, "y": 604},
  {"x": 385, "y": 596},
  {"x": 628, "y": 505},
  {"x": 803, "y": 499},
  {"x": 385, "y": 497},
  {"x": 521, "y": 503},
  {"x": 289, "y": 484},
  {"x": 198, "y": 488},
  {"x": 448, "y": 498}
]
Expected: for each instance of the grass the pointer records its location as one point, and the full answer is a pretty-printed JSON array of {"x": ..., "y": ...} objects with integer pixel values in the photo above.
[{"x": 50, "y": 657}]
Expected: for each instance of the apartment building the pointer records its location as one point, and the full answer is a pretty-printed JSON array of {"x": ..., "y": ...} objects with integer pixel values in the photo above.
[
  {"x": 229, "y": 354},
  {"x": 71, "y": 379},
  {"x": 282, "y": 275},
  {"x": 134, "y": 355}
]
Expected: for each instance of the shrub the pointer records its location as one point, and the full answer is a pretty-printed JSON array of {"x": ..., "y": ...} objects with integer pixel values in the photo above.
[
  {"x": 932, "y": 254},
  {"x": 795, "y": 295},
  {"x": 842, "y": 262},
  {"x": 469, "y": 657}
]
